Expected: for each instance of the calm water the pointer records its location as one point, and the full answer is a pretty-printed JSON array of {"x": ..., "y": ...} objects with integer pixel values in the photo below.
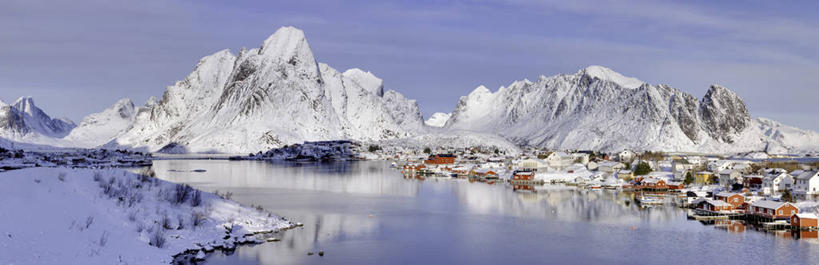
[{"x": 367, "y": 213}]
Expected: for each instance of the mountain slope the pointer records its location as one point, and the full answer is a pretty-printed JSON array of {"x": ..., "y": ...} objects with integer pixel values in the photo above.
[
  {"x": 268, "y": 97},
  {"x": 438, "y": 119},
  {"x": 99, "y": 128},
  {"x": 599, "y": 109}
]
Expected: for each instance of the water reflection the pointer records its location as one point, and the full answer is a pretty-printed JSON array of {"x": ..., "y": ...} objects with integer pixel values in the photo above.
[
  {"x": 368, "y": 213},
  {"x": 341, "y": 177}
]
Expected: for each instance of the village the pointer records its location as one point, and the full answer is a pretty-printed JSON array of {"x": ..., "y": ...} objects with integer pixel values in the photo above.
[{"x": 776, "y": 194}]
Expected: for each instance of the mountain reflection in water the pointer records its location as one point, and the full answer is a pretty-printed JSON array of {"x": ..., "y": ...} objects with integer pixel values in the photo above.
[{"x": 368, "y": 213}]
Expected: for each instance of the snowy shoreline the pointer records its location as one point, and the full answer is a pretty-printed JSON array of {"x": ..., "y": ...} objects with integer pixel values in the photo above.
[{"x": 113, "y": 216}]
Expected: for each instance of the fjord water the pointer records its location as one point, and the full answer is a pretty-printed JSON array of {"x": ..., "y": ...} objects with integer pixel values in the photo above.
[{"x": 368, "y": 213}]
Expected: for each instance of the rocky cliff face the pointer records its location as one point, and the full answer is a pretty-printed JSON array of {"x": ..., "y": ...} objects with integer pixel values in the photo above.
[
  {"x": 269, "y": 97},
  {"x": 723, "y": 114}
]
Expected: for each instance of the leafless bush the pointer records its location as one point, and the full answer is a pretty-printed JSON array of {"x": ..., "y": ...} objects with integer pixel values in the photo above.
[
  {"x": 37, "y": 181},
  {"x": 146, "y": 174},
  {"x": 89, "y": 221},
  {"x": 227, "y": 195},
  {"x": 182, "y": 192},
  {"x": 103, "y": 239},
  {"x": 197, "y": 218},
  {"x": 98, "y": 176},
  {"x": 165, "y": 222},
  {"x": 61, "y": 176},
  {"x": 196, "y": 198},
  {"x": 181, "y": 222},
  {"x": 157, "y": 239},
  {"x": 140, "y": 227}
]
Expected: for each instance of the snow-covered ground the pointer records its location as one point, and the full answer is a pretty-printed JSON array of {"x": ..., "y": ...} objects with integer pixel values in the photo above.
[{"x": 85, "y": 216}]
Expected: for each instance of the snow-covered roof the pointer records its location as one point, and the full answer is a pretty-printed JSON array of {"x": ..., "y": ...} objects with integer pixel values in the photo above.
[
  {"x": 727, "y": 194},
  {"x": 767, "y": 204},
  {"x": 808, "y": 175},
  {"x": 806, "y": 216},
  {"x": 717, "y": 203}
]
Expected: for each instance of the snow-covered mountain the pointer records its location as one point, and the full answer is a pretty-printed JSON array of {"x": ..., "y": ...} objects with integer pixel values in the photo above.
[
  {"x": 102, "y": 127},
  {"x": 269, "y": 97},
  {"x": 24, "y": 121},
  {"x": 599, "y": 109},
  {"x": 438, "y": 119}
]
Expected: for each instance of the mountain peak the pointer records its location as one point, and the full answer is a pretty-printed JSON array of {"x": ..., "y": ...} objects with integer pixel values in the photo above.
[
  {"x": 25, "y": 104},
  {"x": 288, "y": 43},
  {"x": 366, "y": 80},
  {"x": 606, "y": 74}
]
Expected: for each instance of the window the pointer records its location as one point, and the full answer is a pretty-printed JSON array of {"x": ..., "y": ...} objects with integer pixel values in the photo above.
[
  {"x": 736, "y": 199},
  {"x": 793, "y": 211},
  {"x": 780, "y": 212}
]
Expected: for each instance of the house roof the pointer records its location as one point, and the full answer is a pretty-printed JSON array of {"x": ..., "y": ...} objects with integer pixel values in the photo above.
[
  {"x": 806, "y": 215},
  {"x": 808, "y": 175},
  {"x": 767, "y": 204},
  {"x": 717, "y": 202},
  {"x": 727, "y": 194}
]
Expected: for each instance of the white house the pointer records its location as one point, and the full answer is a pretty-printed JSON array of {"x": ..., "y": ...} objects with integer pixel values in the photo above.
[
  {"x": 775, "y": 182},
  {"x": 806, "y": 185},
  {"x": 728, "y": 177},
  {"x": 559, "y": 159},
  {"x": 719, "y": 165},
  {"x": 679, "y": 167},
  {"x": 582, "y": 158},
  {"x": 609, "y": 166},
  {"x": 532, "y": 164}
]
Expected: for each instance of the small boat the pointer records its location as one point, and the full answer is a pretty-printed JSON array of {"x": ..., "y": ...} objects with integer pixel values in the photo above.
[{"x": 649, "y": 200}]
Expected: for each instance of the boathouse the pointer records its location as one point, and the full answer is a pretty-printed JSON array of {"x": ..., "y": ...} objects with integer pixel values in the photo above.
[
  {"x": 772, "y": 209},
  {"x": 715, "y": 206},
  {"x": 523, "y": 176},
  {"x": 804, "y": 221}
]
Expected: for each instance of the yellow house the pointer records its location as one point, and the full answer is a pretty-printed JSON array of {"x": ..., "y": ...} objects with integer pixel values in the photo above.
[{"x": 703, "y": 178}]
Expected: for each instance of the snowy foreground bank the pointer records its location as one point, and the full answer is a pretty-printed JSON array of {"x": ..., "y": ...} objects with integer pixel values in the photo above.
[{"x": 84, "y": 216}]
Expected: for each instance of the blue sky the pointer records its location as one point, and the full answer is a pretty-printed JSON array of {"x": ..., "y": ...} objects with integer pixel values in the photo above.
[{"x": 78, "y": 57}]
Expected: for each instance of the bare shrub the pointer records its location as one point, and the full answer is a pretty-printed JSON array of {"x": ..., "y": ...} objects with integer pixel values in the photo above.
[
  {"x": 227, "y": 195},
  {"x": 196, "y": 198},
  {"x": 165, "y": 222},
  {"x": 98, "y": 176},
  {"x": 181, "y": 222},
  {"x": 140, "y": 227},
  {"x": 182, "y": 192},
  {"x": 37, "y": 181},
  {"x": 103, "y": 239},
  {"x": 157, "y": 239},
  {"x": 146, "y": 174},
  {"x": 197, "y": 219},
  {"x": 61, "y": 176}
]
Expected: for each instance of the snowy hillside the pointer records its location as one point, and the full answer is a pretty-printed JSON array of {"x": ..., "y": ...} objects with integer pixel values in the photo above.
[
  {"x": 269, "y": 97},
  {"x": 99, "y": 128},
  {"x": 599, "y": 109},
  {"x": 84, "y": 216},
  {"x": 438, "y": 119}
]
